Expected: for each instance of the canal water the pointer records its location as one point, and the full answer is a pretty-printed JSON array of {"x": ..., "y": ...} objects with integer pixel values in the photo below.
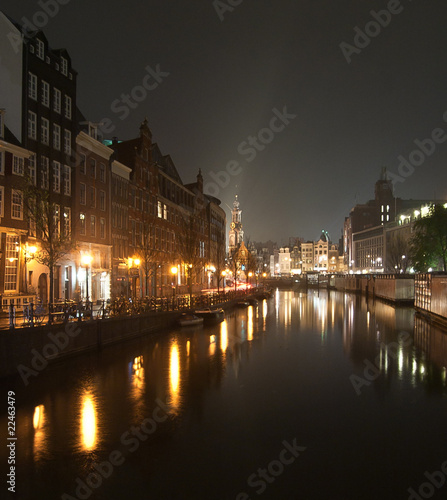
[{"x": 306, "y": 396}]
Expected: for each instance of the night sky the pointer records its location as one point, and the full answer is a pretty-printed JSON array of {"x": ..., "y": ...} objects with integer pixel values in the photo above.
[{"x": 225, "y": 72}]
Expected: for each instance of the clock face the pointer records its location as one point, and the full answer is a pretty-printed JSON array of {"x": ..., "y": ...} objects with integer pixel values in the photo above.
[{"x": 232, "y": 225}]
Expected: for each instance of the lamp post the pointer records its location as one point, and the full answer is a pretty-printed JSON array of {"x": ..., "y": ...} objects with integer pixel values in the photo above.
[
  {"x": 133, "y": 264},
  {"x": 86, "y": 260},
  {"x": 174, "y": 271},
  {"x": 29, "y": 255},
  {"x": 224, "y": 273}
]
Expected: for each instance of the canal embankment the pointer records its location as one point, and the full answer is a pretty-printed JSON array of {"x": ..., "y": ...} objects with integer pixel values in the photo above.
[{"x": 29, "y": 350}]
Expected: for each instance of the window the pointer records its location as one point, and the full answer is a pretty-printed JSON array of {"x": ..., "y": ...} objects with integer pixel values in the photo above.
[
  {"x": 82, "y": 163},
  {"x": 64, "y": 66},
  {"x": 32, "y": 86},
  {"x": 45, "y": 131},
  {"x": 2, "y": 197},
  {"x": 31, "y": 220},
  {"x": 57, "y": 99},
  {"x": 32, "y": 125},
  {"x": 67, "y": 180},
  {"x": 67, "y": 141},
  {"x": 82, "y": 195},
  {"x": 17, "y": 204},
  {"x": 56, "y": 176},
  {"x": 40, "y": 49},
  {"x": 2, "y": 163},
  {"x": 45, "y": 168},
  {"x": 56, "y": 137},
  {"x": 32, "y": 168},
  {"x": 11, "y": 262},
  {"x": 93, "y": 131},
  {"x": 18, "y": 165},
  {"x": 2, "y": 124},
  {"x": 67, "y": 221},
  {"x": 102, "y": 172},
  {"x": 45, "y": 94},
  {"x": 82, "y": 224},
  {"x": 165, "y": 212},
  {"x": 57, "y": 219},
  {"x": 102, "y": 200},
  {"x": 68, "y": 107},
  {"x": 93, "y": 168},
  {"x": 92, "y": 197},
  {"x": 160, "y": 210},
  {"x": 92, "y": 225},
  {"x": 102, "y": 228}
]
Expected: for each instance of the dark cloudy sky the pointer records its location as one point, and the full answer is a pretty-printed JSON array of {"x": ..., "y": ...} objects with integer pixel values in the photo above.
[{"x": 227, "y": 76}]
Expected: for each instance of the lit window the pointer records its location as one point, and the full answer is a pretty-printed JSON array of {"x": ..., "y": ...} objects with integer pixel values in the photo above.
[
  {"x": 67, "y": 221},
  {"x": 82, "y": 224}
]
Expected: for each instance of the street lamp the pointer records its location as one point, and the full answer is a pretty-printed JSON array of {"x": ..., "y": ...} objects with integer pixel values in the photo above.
[
  {"x": 86, "y": 260},
  {"x": 29, "y": 255},
  {"x": 174, "y": 271}
]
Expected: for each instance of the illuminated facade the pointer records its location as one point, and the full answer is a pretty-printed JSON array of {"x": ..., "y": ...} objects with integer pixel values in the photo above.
[{"x": 236, "y": 234}]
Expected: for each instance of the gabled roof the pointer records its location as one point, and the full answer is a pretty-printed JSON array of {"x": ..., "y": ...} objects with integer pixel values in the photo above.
[{"x": 165, "y": 163}]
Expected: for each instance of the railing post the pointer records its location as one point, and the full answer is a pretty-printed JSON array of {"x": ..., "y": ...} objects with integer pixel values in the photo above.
[
  {"x": 12, "y": 316},
  {"x": 31, "y": 313}
]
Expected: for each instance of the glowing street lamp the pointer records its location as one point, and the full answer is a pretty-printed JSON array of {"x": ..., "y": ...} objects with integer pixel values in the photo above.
[
  {"x": 174, "y": 271},
  {"x": 86, "y": 260},
  {"x": 29, "y": 255}
]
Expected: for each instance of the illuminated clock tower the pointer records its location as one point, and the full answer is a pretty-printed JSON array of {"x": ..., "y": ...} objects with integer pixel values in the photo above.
[{"x": 236, "y": 235}]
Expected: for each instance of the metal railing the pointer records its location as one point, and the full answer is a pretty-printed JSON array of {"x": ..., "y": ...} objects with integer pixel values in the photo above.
[{"x": 31, "y": 314}]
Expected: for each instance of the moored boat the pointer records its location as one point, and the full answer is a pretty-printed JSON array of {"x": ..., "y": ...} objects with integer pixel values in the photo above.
[
  {"x": 188, "y": 319},
  {"x": 210, "y": 315}
]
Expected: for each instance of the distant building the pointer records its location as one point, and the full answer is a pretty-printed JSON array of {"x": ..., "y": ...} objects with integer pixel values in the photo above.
[
  {"x": 284, "y": 262},
  {"x": 236, "y": 234}
]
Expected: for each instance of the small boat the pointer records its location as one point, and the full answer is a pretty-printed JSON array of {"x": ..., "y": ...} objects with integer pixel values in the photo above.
[
  {"x": 242, "y": 303},
  {"x": 210, "y": 315},
  {"x": 188, "y": 319}
]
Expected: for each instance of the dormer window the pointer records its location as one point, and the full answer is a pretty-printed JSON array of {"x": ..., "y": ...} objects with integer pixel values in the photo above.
[
  {"x": 93, "y": 131},
  {"x": 64, "y": 66},
  {"x": 40, "y": 49}
]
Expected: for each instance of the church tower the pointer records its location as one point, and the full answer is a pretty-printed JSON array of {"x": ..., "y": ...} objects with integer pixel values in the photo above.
[{"x": 236, "y": 234}]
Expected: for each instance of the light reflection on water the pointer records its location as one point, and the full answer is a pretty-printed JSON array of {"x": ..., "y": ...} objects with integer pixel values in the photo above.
[
  {"x": 88, "y": 421},
  {"x": 286, "y": 335}
]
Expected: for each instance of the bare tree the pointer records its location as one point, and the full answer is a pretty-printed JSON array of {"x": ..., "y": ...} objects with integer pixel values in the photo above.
[
  {"x": 191, "y": 248},
  {"x": 397, "y": 258},
  {"x": 51, "y": 226}
]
